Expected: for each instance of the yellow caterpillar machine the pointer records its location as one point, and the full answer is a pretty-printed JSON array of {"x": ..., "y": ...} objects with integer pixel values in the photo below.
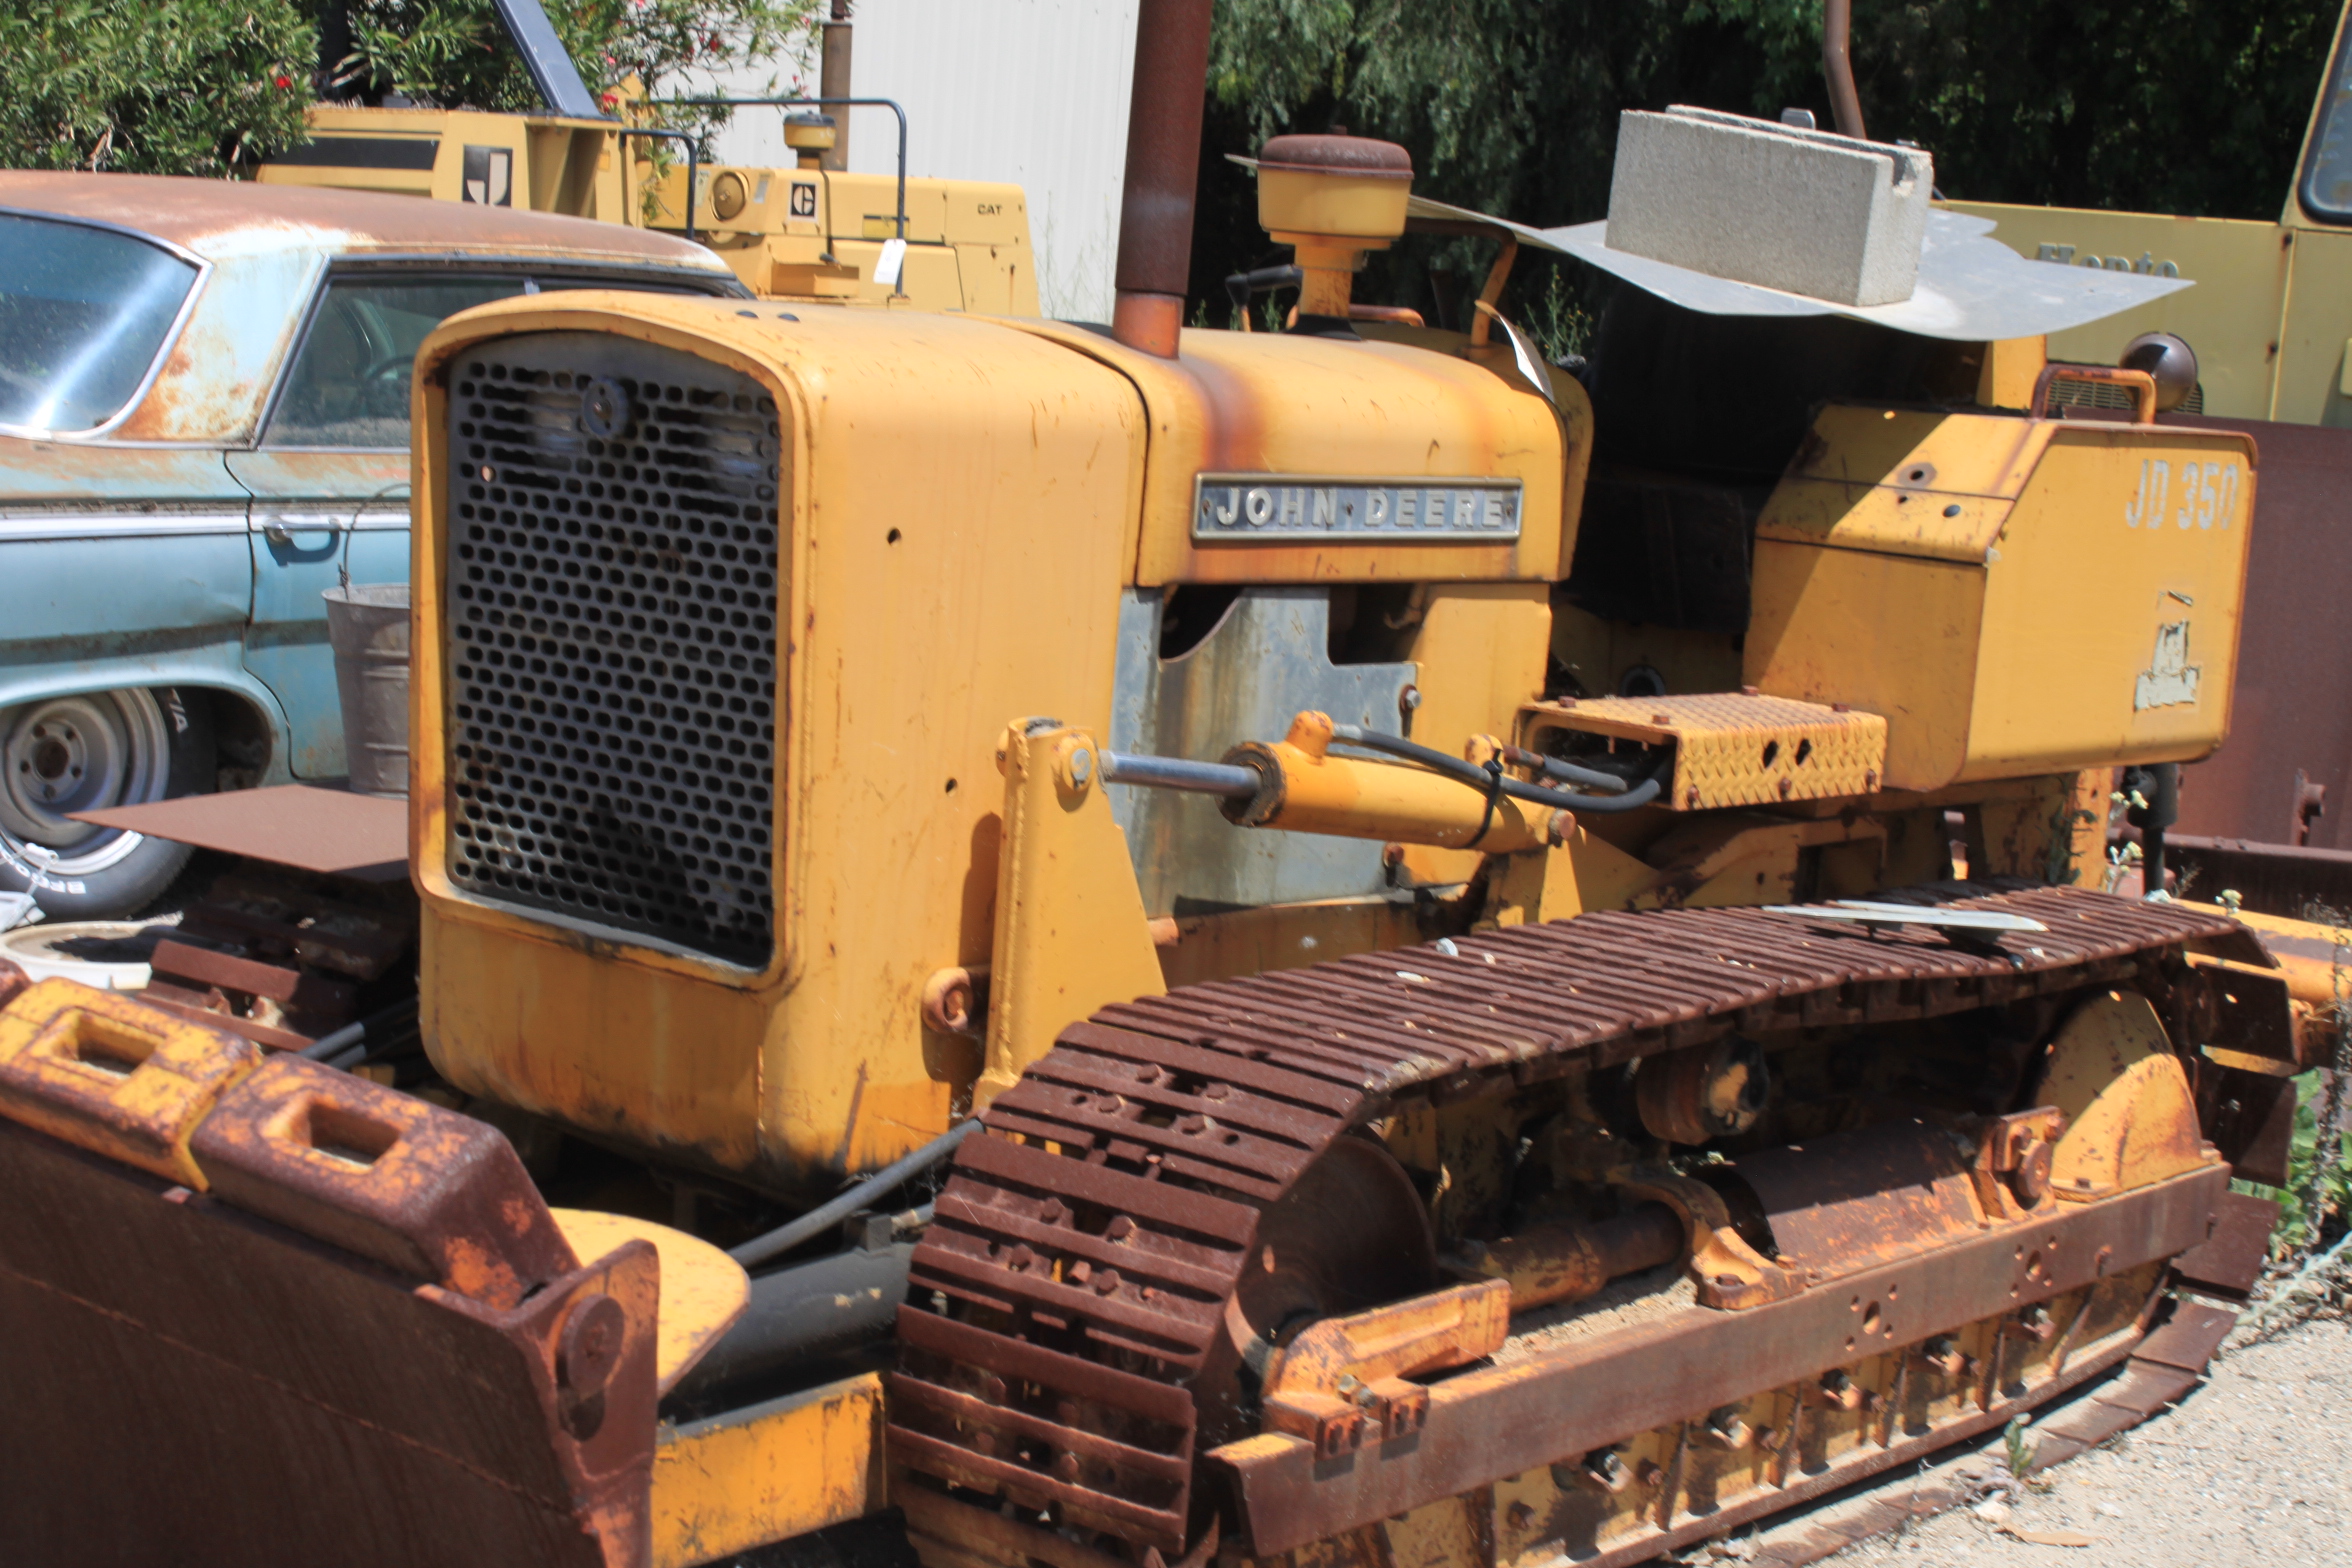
[
  {"x": 814, "y": 232},
  {"x": 1393, "y": 1101}
]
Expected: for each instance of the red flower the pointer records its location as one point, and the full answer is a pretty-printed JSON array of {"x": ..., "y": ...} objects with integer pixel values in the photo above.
[{"x": 284, "y": 81}]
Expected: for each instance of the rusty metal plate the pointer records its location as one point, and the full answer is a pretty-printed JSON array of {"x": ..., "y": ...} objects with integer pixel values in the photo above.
[
  {"x": 299, "y": 825},
  {"x": 245, "y": 1373},
  {"x": 2230, "y": 1260},
  {"x": 2291, "y": 710},
  {"x": 1732, "y": 749},
  {"x": 385, "y": 1175},
  {"x": 1852, "y": 1199},
  {"x": 1502, "y": 1421}
]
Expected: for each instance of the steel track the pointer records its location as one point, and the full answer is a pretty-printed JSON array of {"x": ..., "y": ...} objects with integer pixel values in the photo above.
[{"x": 1073, "y": 1283}]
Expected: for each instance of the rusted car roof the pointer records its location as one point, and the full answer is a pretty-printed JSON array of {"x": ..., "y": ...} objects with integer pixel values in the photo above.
[{"x": 201, "y": 215}]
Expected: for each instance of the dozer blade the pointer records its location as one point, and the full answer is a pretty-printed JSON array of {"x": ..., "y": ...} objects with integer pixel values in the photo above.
[
  {"x": 1160, "y": 1209},
  {"x": 263, "y": 1312}
]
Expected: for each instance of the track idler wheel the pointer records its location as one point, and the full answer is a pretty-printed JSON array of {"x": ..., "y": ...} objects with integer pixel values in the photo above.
[{"x": 1351, "y": 1233}]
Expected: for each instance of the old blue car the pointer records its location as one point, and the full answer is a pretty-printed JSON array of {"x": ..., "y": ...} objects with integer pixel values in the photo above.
[{"x": 204, "y": 407}]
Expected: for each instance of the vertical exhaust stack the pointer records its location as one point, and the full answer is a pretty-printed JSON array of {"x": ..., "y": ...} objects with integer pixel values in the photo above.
[
  {"x": 1837, "y": 64},
  {"x": 1163, "y": 165},
  {"x": 833, "y": 82}
]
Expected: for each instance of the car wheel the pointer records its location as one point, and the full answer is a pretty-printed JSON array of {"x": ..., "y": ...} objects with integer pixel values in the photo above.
[{"x": 61, "y": 755}]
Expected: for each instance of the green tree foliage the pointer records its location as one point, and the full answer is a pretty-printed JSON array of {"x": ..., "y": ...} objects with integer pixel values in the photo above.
[
  {"x": 210, "y": 87},
  {"x": 1511, "y": 105},
  {"x": 454, "y": 53},
  {"x": 193, "y": 87}
]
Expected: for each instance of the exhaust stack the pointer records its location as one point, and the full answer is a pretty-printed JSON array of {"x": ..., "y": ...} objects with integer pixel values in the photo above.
[{"x": 1163, "y": 166}]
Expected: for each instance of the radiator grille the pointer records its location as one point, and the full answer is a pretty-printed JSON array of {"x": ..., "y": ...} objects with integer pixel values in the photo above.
[{"x": 611, "y": 639}]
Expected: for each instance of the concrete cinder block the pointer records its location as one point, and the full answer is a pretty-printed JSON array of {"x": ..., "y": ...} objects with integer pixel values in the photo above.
[{"x": 1807, "y": 212}]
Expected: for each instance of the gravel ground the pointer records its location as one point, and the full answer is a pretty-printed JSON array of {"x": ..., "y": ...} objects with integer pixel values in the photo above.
[{"x": 2252, "y": 1468}]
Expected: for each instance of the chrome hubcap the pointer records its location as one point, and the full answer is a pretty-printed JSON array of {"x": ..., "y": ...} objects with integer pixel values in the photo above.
[{"x": 63, "y": 755}]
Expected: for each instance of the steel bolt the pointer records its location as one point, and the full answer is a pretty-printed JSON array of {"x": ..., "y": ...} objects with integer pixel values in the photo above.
[
  {"x": 588, "y": 1350},
  {"x": 1081, "y": 766}
]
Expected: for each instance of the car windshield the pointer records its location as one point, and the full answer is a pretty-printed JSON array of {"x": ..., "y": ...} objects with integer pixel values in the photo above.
[{"x": 83, "y": 313}]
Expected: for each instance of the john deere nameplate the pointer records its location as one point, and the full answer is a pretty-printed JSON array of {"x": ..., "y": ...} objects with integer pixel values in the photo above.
[{"x": 1288, "y": 508}]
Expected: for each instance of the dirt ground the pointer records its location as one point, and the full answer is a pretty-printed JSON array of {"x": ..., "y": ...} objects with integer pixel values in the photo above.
[{"x": 2253, "y": 1469}]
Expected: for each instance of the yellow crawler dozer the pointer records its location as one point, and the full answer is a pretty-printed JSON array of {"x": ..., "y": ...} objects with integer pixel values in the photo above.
[{"x": 1399, "y": 1061}]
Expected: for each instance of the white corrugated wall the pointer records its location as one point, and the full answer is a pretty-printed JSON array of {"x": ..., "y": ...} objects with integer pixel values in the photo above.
[{"x": 1033, "y": 91}]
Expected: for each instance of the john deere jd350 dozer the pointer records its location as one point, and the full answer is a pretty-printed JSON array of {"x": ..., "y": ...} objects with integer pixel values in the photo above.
[{"x": 1459, "y": 1078}]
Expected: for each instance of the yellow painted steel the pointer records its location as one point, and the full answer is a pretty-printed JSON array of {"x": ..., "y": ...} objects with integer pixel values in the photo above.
[
  {"x": 1733, "y": 748},
  {"x": 818, "y": 234},
  {"x": 111, "y": 1075},
  {"x": 959, "y": 509},
  {"x": 703, "y": 1291},
  {"x": 1480, "y": 650},
  {"x": 2130, "y": 1117},
  {"x": 810, "y": 234},
  {"x": 1311, "y": 791},
  {"x": 969, "y": 574},
  {"x": 1274, "y": 403},
  {"x": 2016, "y": 596},
  {"x": 550, "y": 163},
  {"x": 767, "y": 1473},
  {"x": 1070, "y": 931}
]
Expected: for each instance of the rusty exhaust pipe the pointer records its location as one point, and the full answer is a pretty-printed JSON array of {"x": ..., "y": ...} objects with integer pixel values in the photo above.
[
  {"x": 1837, "y": 63},
  {"x": 1163, "y": 166}
]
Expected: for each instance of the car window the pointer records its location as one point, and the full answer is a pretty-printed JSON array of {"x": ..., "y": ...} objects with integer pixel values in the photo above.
[
  {"x": 349, "y": 384},
  {"x": 83, "y": 314}
]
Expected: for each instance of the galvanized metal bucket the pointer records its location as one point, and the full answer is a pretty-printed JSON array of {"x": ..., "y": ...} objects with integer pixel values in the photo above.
[{"x": 368, "y": 625}]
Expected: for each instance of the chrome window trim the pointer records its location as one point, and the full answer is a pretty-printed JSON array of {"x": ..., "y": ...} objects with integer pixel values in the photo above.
[{"x": 163, "y": 351}]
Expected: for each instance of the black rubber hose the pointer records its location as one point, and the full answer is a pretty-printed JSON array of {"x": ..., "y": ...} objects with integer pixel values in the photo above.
[
  {"x": 804, "y": 1314},
  {"x": 329, "y": 1046},
  {"x": 1476, "y": 777},
  {"x": 775, "y": 1243}
]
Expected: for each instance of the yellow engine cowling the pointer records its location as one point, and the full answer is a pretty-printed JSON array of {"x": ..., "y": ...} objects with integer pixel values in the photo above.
[
  {"x": 956, "y": 511},
  {"x": 2015, "y": 596}
]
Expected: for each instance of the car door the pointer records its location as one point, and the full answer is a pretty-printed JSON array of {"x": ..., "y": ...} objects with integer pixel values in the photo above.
[{"x": 329, "y": 480}]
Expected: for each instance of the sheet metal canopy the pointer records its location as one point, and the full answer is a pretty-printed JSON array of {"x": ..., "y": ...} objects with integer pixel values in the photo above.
[{"x": 1972, "y": 288}]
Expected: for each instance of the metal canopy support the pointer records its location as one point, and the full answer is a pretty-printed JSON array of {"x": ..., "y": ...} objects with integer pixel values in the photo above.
[
  {"x": 545, "y": 57},
  {"x": 820, "y": 103}
]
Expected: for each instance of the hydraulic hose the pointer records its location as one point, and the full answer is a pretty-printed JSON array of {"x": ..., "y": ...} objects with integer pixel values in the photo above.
[
  {"x": 775, "y": 1243},
  {"x": 1476, "y": 777},
  {"x": 354, "y": 1037}
]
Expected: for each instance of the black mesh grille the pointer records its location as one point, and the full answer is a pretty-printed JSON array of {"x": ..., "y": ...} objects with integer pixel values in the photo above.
[{"x": 611, "y": 635}]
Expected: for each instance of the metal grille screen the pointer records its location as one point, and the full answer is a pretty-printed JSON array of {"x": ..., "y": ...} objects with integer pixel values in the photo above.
[{"x": 611, "y": 646}]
